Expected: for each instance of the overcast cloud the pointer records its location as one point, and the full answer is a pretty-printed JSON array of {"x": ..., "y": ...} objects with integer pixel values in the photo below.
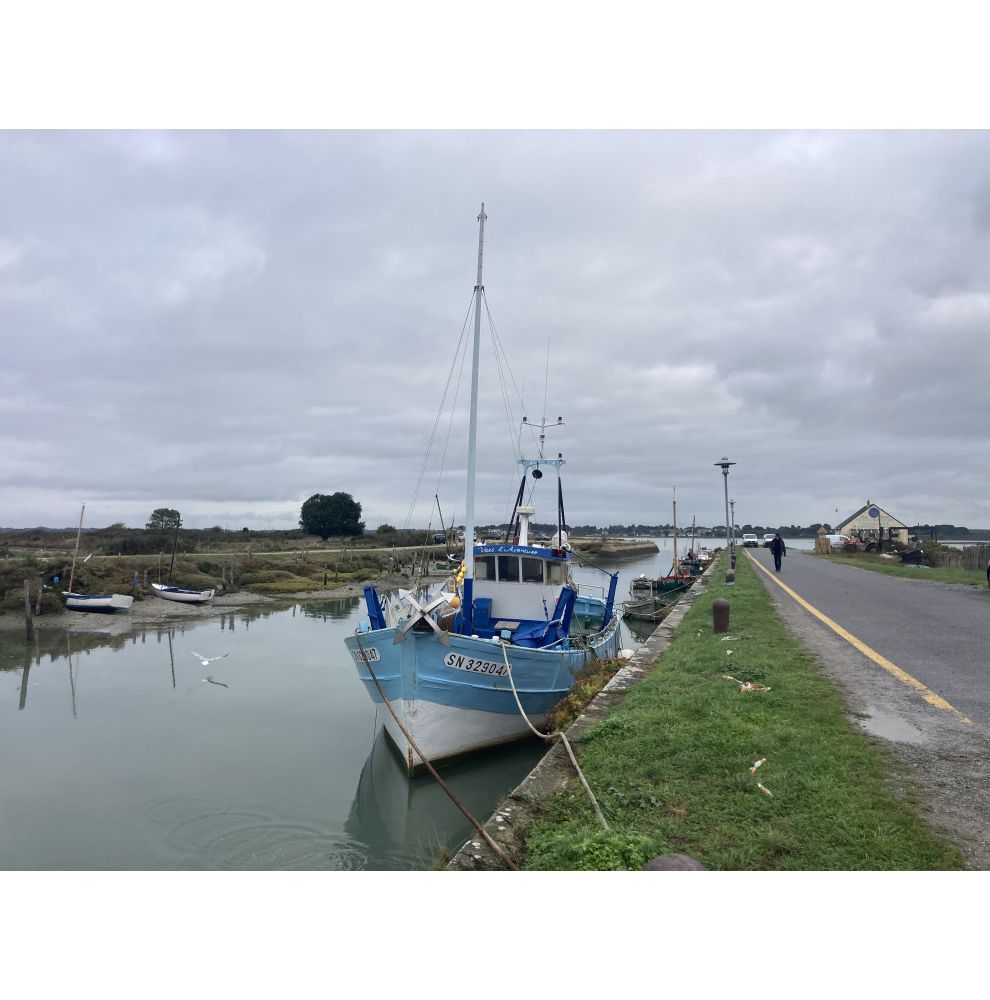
[{"x": 227, "y": 323}]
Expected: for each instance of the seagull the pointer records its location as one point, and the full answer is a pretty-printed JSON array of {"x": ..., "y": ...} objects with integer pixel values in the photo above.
[{"x": 205, "y": 660}]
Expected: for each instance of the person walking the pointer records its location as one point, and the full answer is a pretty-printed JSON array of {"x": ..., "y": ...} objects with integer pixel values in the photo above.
[{"x": 779, "y": 550}]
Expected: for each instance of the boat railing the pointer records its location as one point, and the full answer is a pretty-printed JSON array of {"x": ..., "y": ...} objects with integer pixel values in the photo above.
[{"x": 591, "y": 590}]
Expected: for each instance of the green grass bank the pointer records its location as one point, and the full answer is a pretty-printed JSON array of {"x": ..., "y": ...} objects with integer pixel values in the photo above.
[
  {"x": 876, "y": 563},
  {"x": 671, "y": 764}
]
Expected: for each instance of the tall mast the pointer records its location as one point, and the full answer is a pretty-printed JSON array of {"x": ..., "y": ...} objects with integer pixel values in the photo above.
[
  {"x": 676, "y": 566},
  {"x": 72, "y": 574},
  {"x": 479, "y": 289}
]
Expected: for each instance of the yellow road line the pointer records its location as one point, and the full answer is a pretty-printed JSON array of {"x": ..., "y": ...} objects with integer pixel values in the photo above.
[{"x": 895, "y": 671}]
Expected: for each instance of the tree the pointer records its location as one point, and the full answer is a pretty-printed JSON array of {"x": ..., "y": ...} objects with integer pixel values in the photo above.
[
  {"x": 164, "y": 519},
  {"x": 338, "y": 514}
]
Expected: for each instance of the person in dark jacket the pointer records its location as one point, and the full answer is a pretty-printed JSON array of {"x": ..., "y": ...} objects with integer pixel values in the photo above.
[{"x": 779, "y": 550}]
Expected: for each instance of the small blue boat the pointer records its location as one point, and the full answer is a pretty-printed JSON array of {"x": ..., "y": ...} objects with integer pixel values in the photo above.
[{"x": 486, "y": 656}]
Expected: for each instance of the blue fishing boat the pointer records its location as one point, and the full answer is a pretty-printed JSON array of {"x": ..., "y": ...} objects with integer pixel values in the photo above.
[{"x": 502, "y": 639}]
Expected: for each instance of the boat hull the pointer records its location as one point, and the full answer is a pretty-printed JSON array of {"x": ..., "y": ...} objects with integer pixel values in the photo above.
[
  {"x": 666, "y": 585},
  {"x": 101, "y": 603},
  {"x": 180, "y": 595},
  {"x": 649, "y": 609},
  {"x": 458, "y": 699}
]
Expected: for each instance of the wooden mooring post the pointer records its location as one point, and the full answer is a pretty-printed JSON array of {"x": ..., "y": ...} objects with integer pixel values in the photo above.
[{"x": 28, "y": 620}]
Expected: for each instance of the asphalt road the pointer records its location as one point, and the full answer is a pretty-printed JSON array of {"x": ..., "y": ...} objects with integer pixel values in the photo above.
[{"x": 939, "y": 633}]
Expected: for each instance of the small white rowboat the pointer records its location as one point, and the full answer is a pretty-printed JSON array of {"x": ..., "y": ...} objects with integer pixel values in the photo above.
[
  {"x": 98, "y": 602},
  {"x": 180, "y": 595}
]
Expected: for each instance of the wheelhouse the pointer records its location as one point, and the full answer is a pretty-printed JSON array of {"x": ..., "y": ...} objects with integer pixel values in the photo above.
[{"x": 519, "y": 564}]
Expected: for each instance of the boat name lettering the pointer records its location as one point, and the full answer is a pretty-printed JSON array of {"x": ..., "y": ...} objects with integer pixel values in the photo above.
[
  {"x": 515, "y": 550},
  {"x": 365, "y": 654},
  {"x": 461, "y": 662}
]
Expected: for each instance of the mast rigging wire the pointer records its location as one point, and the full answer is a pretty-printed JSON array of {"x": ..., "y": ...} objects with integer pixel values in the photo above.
[{"x": 458, "y": 352}]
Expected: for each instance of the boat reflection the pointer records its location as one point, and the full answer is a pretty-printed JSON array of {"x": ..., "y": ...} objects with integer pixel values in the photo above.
[
  {"x": 338, "y": 609},
  {"x": 404, "y": 822},
  {"x": 639, "y": 630}
]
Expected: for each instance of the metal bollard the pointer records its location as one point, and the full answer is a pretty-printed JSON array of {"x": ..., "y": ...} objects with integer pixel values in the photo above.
[
  {"x": 730, "y": 576},
  {"x": 720, "y": 614}
]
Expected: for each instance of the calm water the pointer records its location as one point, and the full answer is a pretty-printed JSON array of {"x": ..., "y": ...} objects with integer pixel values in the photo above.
[{"x": 124, "y": 752}]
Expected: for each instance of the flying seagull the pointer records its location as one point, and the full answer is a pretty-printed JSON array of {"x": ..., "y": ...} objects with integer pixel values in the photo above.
[{"x": 205, "y": 660}]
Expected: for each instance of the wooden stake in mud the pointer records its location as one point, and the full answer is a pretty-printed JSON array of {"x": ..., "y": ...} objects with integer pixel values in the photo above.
[{"x": 27, "y": 610}]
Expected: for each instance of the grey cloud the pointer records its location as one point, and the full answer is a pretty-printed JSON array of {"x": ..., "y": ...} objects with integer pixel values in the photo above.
[{"x": 229, "y": 322}]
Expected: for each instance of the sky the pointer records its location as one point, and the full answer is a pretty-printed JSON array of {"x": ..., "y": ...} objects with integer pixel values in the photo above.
[{"x": 226, "y": 321}]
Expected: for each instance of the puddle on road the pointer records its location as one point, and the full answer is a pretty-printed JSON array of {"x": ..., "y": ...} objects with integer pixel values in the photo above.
[{"x": 891, "y": 727}]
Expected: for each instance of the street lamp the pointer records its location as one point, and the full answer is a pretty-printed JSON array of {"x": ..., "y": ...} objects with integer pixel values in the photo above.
[
  {"x": 724, "y": 463},
  {"x": 732, "y": 551}
]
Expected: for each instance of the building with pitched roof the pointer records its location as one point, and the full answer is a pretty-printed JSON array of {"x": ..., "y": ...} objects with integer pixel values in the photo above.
[{"x": 872, "y": 523}]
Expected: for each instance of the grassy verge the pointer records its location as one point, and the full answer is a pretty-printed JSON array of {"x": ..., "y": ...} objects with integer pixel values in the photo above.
[
  {"x": 894, "y": 567},
  {"x": 671, "y": 764}
]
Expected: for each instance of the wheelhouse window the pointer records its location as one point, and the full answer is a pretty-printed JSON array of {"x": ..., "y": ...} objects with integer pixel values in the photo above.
[
  {"x": 484, "y": 567},
  {"x": 532, "y": 570},
  {"x": 556, "y": 573},
  {"x": 508, "y": 569}
]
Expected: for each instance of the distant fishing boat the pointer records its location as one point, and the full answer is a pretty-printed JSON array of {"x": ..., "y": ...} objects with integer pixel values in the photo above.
[
  {"x": 669, "y": 586},
  {"x": 105, "y": 603},
  {"x": 460, "y": 667},
  {"x": 181, "y": 595},
  {"x": 682, "y": 575}
]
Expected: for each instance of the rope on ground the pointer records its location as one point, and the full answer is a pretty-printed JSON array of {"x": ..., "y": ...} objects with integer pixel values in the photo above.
[
  {"x": 554, "y": 735},
  {"x": 429, "y": 766}
]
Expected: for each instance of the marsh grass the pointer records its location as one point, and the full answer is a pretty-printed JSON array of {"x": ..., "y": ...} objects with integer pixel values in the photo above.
[
  {"x": 670, "y": 764},
  {"x": 274, "y": 575},
  {"x": 587, "y": 683}
]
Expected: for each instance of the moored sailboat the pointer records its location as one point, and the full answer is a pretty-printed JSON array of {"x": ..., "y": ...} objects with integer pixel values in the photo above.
[
  {"x": 105, "y": 603},
  {"x": 180, "y": 594},
  {"x": 475, "y": 664}
]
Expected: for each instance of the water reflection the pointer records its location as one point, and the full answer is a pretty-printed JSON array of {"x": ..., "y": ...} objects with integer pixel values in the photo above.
[
  {"x": 339, "y": 609},
  {"x": 132, "y": 755},
  {"x": 639, "y": 631},
  {"x": 410, "y": 822}
]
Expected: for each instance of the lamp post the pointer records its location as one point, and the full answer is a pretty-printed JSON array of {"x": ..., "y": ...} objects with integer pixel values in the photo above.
[
  {"x": 732, "y": 551},
  {"x": 724, "y": 464}
]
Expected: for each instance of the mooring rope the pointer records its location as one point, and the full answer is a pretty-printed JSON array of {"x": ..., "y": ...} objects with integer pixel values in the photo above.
[
  {"x": 551, "y": 736},
  {"x": 429, "y": 766}
]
